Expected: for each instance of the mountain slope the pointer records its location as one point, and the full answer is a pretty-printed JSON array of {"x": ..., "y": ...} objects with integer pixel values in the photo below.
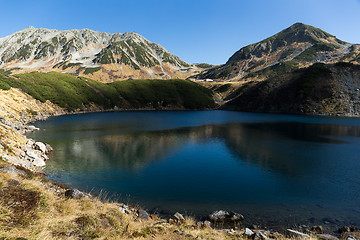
[
  {"x": 81, "y": 94},
  {"x": 104, "y": 56},
  {"x": 297, "y": 46},
  {"x": 321, "y": 89}
]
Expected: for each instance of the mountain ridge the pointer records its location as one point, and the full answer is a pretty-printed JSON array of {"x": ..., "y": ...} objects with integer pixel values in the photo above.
[
  {"x": 299, "y": 45},
  {"x": 116, "y": 56}
]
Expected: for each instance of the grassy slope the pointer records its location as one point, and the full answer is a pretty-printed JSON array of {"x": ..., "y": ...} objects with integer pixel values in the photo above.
[{"x": 77, "y": 93}]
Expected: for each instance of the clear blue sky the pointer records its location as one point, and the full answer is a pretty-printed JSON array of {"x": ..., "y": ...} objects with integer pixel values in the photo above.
[{"x": 195, "y": 30}]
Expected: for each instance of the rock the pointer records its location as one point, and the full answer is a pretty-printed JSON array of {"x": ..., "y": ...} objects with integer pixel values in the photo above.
[
  {"x": 31, "y": 128},
  {"x": 142, "y": 214},
  {"x": 297, "y": 234},
  {"x": 40, "y": 146},
  {"x": 207, "y": 224},
  {"x": 351, "y": 238},
  {"x": 224, "y": 216},
  {"x": 179, "y": 218},
  {"x": 38, "y": 162},
  {"x": 317, "y": 229},
  {"x": 13, "y": 170},
  {"x": 31, "y": 153},
  {"x": 248, "y": 232},
  {"x": 76, "y": 194},
  {"x": 48, "y": 148},
  {"x": 326, "y": 237},
  {"x": 260, "y": 236},
  {"x": 180, "y": 232}
]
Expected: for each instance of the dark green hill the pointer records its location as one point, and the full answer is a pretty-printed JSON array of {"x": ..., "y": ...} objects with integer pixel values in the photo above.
[
  {"x": 319, "y": 89},
  {"x": 78, "y": 93}
]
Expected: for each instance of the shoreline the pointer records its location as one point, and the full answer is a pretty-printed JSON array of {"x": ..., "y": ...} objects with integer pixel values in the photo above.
[{"x": 22, "y": 126}]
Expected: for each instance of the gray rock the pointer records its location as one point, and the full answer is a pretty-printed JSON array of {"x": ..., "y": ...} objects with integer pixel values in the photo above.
[
  {"x": 48, "y": 148},
  {"x": 326, "y": 237},
  {"x": 31, "y": 128},
  {"x": 224, "y": 216},
  {"x": 31, "y": 153},
  {"x": 207, "y": 224},
  {"x": 76, "y": 194},
  {"x": 248, "y": 232},
  {"x": 297, "y": 234},
  {"x": 40, "y": 146},
  {"x": 38, "y": 162},
  {"x": 351, "y": 238},
  {"x": 260, "y": 236},
  {"x": 179, "y": 218},
  {"x": 142, "y": 214},
  {"x": 13, "y": 170},
  {"x": 180, "y": 232}
]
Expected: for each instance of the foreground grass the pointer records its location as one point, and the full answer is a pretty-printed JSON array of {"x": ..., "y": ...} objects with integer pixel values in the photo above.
[
  {"x": 33, "y": 208},
  {"x": 78, "y": 93}
]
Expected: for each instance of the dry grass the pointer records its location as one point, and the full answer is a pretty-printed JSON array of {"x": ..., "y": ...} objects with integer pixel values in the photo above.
[{"x": 31, "y": 208}]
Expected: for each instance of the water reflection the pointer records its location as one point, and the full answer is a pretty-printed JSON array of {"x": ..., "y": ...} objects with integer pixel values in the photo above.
[{"x": 254, "y": 143}]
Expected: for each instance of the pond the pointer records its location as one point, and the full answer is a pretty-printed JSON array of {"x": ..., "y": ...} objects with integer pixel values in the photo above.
[{"x": 276, "y": 170}]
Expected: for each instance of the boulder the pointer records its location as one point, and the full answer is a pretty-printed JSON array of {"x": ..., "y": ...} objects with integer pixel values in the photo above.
[
  {"x": 207, "y": 224},
  {"x": 224, "y": 216},
  {"x": 48, "y": 148},
  {"x": 31, "y": 153},
  {"x": 248, "y": 232},
  {"x": 297, "y": 234},
  {"x": 38, "y": 162},
  {"x": 351, "y": 238},
  {"x": 178, "y": 217},
  {"x": 13, "y": 170},
  {"x": 31, "y": 128},
  {"x": 40, "y": 146},
  {"x": 142, "y": 214},
  {"x": 260, "y": 236},
  {"x": 326, "y": 237},
  {"x": 76, "y": 194}
]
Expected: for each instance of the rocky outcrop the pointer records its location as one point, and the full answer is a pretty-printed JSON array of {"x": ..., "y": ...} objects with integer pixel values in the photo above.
[
  {"x": 225, "y": 217},
  {"x": 17, "y": 110},
  {"x": 76, "y": 194}
]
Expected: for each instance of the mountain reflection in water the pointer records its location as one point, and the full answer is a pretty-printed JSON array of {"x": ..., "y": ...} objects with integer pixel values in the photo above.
[
  {"x": 274, "y": 169},
  {"x": 248, "y": 142}
]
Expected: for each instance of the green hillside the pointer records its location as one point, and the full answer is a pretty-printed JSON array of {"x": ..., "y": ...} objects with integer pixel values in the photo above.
[{"x": 78, "y": 93}]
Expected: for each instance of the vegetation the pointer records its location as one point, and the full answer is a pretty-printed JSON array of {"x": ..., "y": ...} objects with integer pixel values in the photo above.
[
  {"x": 91, "y": 70},
  {"x": 310, "y": 77},
  {"x": 274, "y": 70},
  {"x": 309, "y": 54},
  {"x": 77, "y": 93}
]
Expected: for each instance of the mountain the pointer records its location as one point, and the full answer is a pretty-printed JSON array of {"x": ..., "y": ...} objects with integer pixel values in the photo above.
[
  {"x": 102, "y": 56},
  {"x": 321, "y": 89},
  {"x": 297, "y": 46}
]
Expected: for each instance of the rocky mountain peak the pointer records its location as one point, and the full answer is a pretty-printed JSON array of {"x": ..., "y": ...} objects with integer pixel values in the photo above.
[
  {"x": 76, "y": 51},
  {"x": 297, "y": 45}
]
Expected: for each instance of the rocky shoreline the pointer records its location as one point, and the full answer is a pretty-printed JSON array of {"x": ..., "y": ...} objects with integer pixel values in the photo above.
[{"x": 28, "y": 155}]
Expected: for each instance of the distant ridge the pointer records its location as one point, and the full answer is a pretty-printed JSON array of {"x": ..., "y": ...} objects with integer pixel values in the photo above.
[
  {"x": 298, "y": 46},
  {"x": 106, "y": 57}
]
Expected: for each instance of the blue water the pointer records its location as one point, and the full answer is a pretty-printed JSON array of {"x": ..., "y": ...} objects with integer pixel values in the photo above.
[{"x": 277, "y": 170}]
